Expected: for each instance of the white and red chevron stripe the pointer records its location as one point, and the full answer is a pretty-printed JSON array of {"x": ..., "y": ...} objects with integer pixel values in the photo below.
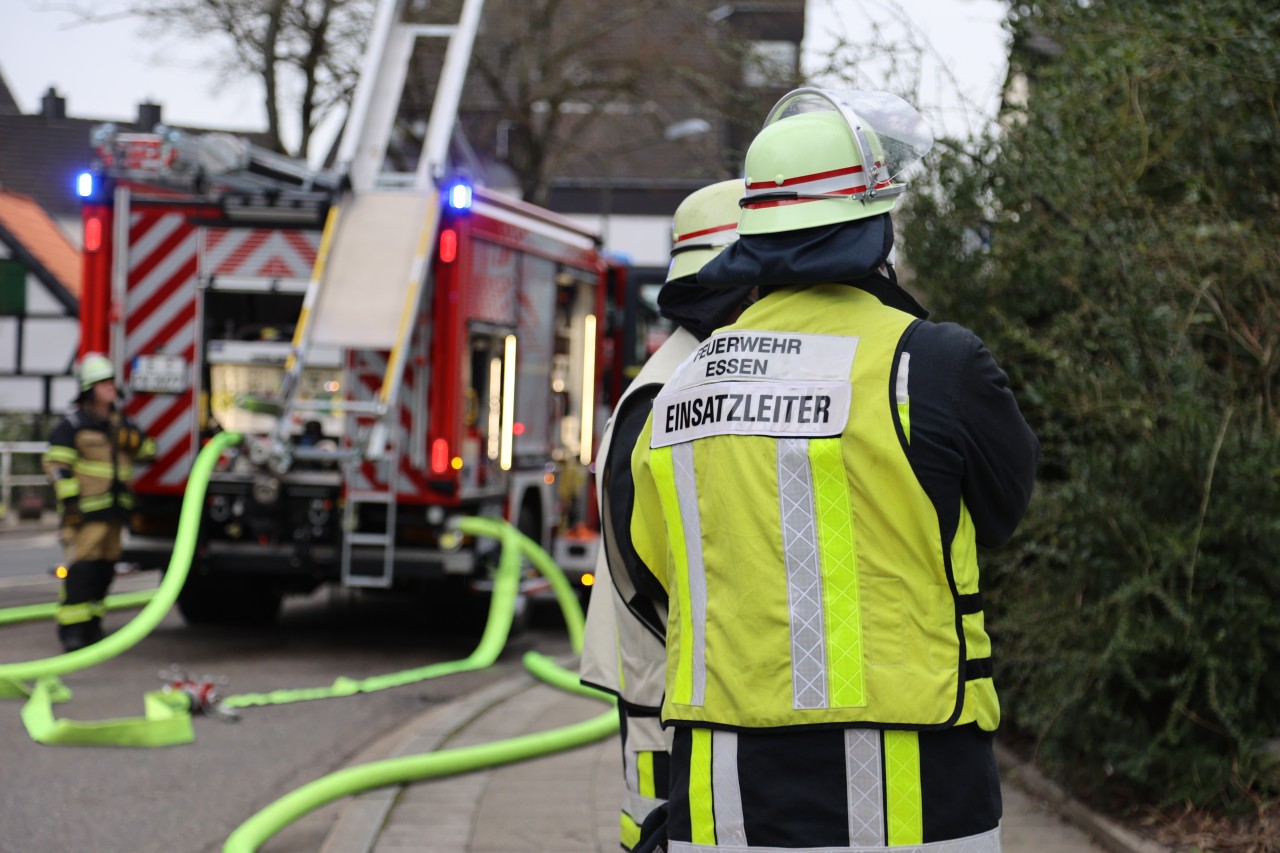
[
  {"x": 159, "y": 317},
  {"x": 364, "y": 372},
  {"x": 258, "y": 252}
]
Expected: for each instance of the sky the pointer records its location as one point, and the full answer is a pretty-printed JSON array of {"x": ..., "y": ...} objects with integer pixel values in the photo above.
[{"x": 104, "y": 70}]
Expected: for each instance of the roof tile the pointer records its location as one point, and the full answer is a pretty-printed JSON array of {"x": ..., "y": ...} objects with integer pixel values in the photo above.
[{"x": 28, "y": 222}]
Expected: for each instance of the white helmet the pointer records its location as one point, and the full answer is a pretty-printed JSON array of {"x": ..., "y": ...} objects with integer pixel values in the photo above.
[
  {"x": 704, "y": 223},
  {"x": 94, "y": 368},
  {"x": 826, "y": 156}
]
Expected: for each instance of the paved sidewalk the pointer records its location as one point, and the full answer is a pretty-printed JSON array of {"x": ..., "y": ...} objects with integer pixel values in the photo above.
[{"x": 567, "y": 801}]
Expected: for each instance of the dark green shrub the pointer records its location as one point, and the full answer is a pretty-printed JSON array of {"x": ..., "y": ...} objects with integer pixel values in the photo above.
[{"x": 1116, "y": 247}]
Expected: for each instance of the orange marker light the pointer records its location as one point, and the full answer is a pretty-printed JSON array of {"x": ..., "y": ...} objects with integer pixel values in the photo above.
[
  {"x": 588, "y": 579},
  {"x": 61, "y": 571}
]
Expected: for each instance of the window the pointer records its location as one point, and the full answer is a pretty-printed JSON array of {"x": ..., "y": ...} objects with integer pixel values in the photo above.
[
  {"x": 13, "y": 287},
  {"x": 770, "y": 63}
]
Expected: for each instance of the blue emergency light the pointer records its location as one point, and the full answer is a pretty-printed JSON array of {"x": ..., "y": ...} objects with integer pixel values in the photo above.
[
  {"x": 460, "y": 196},
  {"x": 84, "y": 184}
]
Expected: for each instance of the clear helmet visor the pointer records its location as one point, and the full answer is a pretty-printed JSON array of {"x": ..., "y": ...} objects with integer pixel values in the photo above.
[{"x": 890, "y": 132}]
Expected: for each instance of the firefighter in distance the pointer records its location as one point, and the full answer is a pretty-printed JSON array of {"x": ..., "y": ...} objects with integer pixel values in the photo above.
[{"x": 90, "y": 462}]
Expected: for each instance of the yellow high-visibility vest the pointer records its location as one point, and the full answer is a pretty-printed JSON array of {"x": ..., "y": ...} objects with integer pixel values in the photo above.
[{"x": 775, "y": 501}]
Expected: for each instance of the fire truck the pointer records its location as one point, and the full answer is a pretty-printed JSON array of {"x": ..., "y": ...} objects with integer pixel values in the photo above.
[{"x": 393, "y": 359}]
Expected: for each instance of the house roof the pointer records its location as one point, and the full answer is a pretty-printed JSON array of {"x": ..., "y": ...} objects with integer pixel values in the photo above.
[
  {"x": 8, "y": 106},
  {"x": 37, "y": 240},
  {"x": 40, "y": 156},
  {"x": 41, "y": 153}
]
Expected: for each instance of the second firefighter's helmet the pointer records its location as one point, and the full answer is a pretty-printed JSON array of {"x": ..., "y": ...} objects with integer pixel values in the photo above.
[
  {"x": 94, "y": 368},
  {"x": 704, "y": 223},
  {"x": 827, "y": 156}
]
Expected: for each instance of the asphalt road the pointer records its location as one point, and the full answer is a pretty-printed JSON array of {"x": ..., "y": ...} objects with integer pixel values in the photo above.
[{"x": 191, "y": 797}]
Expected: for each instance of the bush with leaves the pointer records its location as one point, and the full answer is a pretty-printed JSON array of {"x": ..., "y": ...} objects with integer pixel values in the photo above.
[{"x": 1116, "y": 247}]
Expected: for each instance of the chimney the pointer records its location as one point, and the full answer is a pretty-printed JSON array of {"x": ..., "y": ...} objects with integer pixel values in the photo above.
[
  {"x": 53, "y": 105},
  {"x": 148, "y": 116}
]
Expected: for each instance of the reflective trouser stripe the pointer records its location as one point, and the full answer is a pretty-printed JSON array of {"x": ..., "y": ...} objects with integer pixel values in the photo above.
[
  {"x": 726, "y": 790},
  {"x": 92, "y": 503},
  {"x": 701, "y": 812},
  {"x": 862, "y": 762},
  {"x": 678, "y": 493},
  {"x": 804, "y": 580},
  {"x": 903, "y": 798},
  {"x": 74, "y": 614},
  {"x": 638, "y": 794},
  {"x": 644, "y": 774},
  {"x": 987, "y": 842},
  {"x": 629, "y": 831},
  {"x": 638, "y": 806},
  {"x": 841, "y": 599}
]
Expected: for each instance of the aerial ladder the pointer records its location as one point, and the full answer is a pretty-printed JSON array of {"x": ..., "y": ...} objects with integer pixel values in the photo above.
[{"x": 371, "y": 270}]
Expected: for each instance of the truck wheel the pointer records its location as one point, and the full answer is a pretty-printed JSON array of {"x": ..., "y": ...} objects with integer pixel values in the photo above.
[{"x": 218, "y": 600}]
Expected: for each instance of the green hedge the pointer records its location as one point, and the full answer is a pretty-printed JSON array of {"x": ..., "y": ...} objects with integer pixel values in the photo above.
[{"x": 1116, "y": 247}]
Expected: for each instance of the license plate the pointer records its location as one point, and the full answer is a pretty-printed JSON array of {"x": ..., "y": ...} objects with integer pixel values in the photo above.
[{"x": 160, "y": 374}]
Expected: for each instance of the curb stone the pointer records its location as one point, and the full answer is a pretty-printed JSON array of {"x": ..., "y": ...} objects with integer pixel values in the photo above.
[
  {"x": 363, "y": 817},
  {"x": 1104, "y": 831}
]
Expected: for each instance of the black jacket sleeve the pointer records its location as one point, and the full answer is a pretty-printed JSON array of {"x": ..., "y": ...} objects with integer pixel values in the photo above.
[
  {"x": 968, "y": 439},
  {"x": 639, "y": 589}
]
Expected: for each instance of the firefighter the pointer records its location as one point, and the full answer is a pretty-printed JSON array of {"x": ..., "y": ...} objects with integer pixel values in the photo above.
[
  {"x": 623, "y": 648},
  {"x": 89, "y": 460},
  {"x": 811, "y": 489}
]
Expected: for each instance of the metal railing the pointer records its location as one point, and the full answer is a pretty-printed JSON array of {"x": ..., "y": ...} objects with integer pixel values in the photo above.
[{"x": 9, "y": 480}]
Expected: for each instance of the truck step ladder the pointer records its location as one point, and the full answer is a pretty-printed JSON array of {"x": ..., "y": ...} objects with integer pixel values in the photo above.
[
  {"x": 371, "y": 269},
  {"x": 377, "y": 546}
]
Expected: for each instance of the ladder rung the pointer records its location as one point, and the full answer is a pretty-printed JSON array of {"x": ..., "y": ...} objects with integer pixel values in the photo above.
[
  {"x": 382, "y": 539},
  {"x": 430, "y": 30},
  {"x": 372, "y": 407},
  {"x": 370, "y": 497}
]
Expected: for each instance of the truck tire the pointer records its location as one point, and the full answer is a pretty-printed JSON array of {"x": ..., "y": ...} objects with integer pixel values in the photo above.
[{"x": 221, "y": 600}]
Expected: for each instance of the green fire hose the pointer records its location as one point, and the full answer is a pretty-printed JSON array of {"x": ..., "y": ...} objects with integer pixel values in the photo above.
[
  {"x": 41, "y": 612},
  {"x": 168, "y": 718},
  {"x": 270, "y": 820},
  {"x": 251, "y": 834}
]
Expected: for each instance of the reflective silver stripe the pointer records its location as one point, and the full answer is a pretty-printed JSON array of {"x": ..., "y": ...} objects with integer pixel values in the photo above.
[
  {"x": 866, "y": 796},
  {"x": 904, "y": 370},
  {"x": 630, "y": 772},
  {"x": 804, "y": 577},
  {"x": 638, "y": 807},
  {"x": 687, "y": 493},
  {"x": 726, "y": 792},
  {"x": 987, "y": 842}
]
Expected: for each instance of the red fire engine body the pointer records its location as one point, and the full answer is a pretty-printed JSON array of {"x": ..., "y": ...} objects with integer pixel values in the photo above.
[{"x": 193, "y": 286}]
